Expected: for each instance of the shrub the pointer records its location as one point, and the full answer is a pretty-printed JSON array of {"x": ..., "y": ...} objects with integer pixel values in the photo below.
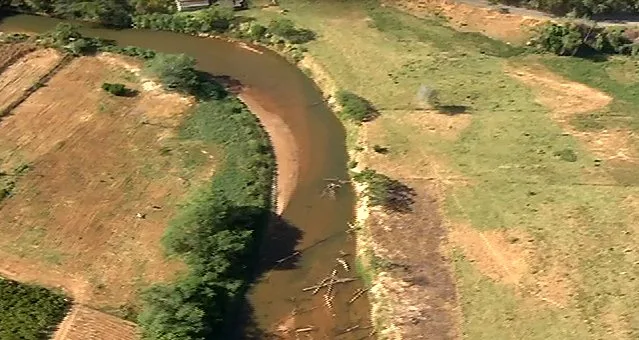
[
  {"x": 115, "y": 89},
  {"x": 354, "y": 107},
  {"x": 384, "y": 191},
  {"x": 205, "y": 21},
  {"x": 257, "y": 31},
  {"x": 286, "y": 29}
]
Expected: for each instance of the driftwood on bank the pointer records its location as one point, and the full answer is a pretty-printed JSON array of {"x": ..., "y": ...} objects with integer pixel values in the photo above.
[
  {"x": 337, "y": 281},
  {"x": 359, "y": 293}
]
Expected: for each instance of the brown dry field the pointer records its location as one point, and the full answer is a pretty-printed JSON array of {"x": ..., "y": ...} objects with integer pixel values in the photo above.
[
  {"x": 94, "y": 162},
  {"x": 83, "y": 323},
  {"x": 21, "y": 75}
]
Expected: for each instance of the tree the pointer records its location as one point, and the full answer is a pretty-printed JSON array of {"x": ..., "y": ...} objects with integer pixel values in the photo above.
[
  {"x": 354, "y": 107},
  {"x": 176, "y": 71}
]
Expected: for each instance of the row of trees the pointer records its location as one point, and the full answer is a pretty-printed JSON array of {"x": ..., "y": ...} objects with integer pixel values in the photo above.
[
  {"x": 579, "y": 7},
  {"x": 116, "y": 13},
  {"x": 216, "y": 232},
  {"x": 204, "y": 21},
  {"x": 29, "y": 312},
  {"x": 582, "y": 39}
]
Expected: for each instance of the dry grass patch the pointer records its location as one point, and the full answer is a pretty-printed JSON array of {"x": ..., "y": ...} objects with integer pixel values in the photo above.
[
  {"x": 24, "y": 73},
  {"x": 566, "y": 99},
  {"x": 509, "y": 257},
  {"x": 508, "y": 27},
  {"x": 95, "y": 162}
]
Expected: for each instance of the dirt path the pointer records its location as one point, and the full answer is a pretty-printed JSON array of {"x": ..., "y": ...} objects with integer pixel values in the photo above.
[{"x": 286, "y": 152}]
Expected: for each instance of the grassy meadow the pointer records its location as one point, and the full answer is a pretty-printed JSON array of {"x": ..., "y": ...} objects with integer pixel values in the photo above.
[{"x": 576, "y": 215}]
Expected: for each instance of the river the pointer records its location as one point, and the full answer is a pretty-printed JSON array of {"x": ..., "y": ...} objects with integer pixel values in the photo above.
[{"x": 313, "y": 223}]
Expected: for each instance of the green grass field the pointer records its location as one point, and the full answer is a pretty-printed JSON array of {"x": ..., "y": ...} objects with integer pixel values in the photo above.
[{"x": 507, "y": 153}]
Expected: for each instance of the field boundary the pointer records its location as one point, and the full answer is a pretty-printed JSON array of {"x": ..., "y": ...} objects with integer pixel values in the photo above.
[{"x": 66, "y": 59}]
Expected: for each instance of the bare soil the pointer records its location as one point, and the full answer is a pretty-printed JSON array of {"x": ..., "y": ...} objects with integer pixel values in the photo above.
[
  {"x": 515, "y": 28},
  {"x": 566, "y": 99},
  {"x": 18, "y": 77},
  {"x": 94, "y": 162},
  {"x": 10, "y": 52}
]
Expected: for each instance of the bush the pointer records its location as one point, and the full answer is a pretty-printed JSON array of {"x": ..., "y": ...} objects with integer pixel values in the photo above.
[
  {"x": 354, "y": 107},
  {"x": 115, "y": 89},
  {"x": 286, "y": 29},
  {"x": 257, "y": 31},
  {"x": 383, "y": 191},
  {"x": 29, "y": 312}
]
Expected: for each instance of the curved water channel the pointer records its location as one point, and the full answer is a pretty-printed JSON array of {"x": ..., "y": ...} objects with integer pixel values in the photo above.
[{"x": 314, "y": 224}]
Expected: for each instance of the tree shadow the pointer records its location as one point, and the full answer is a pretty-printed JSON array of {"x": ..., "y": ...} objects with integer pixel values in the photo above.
[
  {"x": 373, "y": 112},
  {"x": 453, "y": 110},
  {"x": 275, "y": 251},
  {"x": 400, "y": 198}
]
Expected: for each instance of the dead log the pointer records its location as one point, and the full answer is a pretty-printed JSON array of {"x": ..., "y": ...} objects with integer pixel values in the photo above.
[
  {"x": 305, "y": 329},
  {"x": 337, "y": 281},
  {"x": 359, "y": 293}
]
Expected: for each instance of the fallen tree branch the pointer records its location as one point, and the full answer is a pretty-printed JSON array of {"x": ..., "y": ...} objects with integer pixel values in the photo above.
[
  {"x": 306, "y": 329},
  {"x": 287, "y": 257},
  {"x": 359, "y": 293},
  {"x": 338, "y": 281}
]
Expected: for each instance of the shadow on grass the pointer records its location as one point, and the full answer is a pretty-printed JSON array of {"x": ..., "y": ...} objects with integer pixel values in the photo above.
[
  {"x": 453, "y": 110},
  {"x": 401, "y": 197}
]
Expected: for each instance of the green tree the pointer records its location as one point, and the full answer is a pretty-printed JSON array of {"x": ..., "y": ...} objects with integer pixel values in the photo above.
[
  {"x": 176, "y": 71},
  {"x": 354, "y": 107}
]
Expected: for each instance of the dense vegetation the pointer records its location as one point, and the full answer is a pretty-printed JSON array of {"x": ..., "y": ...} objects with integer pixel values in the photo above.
[
  {"x": 211, "y": 20},
  {"x": 29, "y": 312},
  {"x": 216, "y": 231},
  {"x": 116, "y": 13},
  {"x": 583, "y": 40},
  {"x": 579, "y": 7}
]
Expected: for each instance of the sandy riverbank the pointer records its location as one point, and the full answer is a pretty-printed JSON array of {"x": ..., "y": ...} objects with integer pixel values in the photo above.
[{"x": 284, "y": 146}]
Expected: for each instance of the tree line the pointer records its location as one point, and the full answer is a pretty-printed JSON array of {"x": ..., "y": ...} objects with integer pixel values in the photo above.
[{"x": 578, "y": 7}]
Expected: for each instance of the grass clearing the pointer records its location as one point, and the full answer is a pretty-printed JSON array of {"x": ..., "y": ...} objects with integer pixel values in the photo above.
[{"x": 509, "y": 156}]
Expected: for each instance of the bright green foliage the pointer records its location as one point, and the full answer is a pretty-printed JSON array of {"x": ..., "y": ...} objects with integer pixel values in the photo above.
[
  {"x": 286, "y": 29},
  {"x": 175, "y": 71},
  {"x": 29, "y": 312},
  {"x": 354, "y": 107},
  {"x": 204, "y": 21}
]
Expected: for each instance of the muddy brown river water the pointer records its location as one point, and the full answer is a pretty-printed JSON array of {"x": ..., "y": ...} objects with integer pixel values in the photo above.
[{"x": 312, "y": 223}]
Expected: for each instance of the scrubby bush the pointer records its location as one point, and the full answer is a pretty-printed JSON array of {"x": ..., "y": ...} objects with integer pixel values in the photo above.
[
  {"x": 354, "y": 107},
  {"x": 286, "y": 29},
  {"x": 257, "y": 31},
  {"x": 115, "y": 89}
]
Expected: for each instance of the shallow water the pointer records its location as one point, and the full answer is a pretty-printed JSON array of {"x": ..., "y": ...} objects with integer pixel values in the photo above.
[{"x": 312, "y": 223}]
